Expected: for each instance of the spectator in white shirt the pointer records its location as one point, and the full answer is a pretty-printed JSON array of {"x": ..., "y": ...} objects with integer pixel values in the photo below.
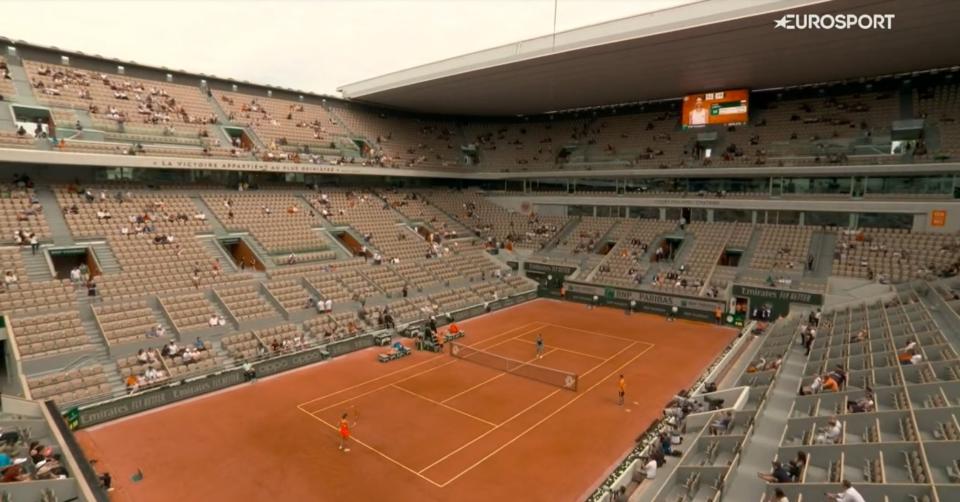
[
  {"x": 849, "y": 494},
  {"x": 10, "y": 278},
  {"x": 213, "y": 320},
  {"x": 650, "y": 469},
  {"x": 831, "y": 433},
  {"x": 328, "y": 305}
]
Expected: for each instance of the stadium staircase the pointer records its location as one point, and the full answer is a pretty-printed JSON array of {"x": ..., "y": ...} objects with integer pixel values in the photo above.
[
  {"x": 83, "y": 116},
  {"x": 222, "y": 116},
  {"x": 689, "y": 242},
  {"x": 343, "y": 123},
  {"x": 224, "y": 120},
  {"x": 38, "y": 269},
  {"x": 748, "y": 253},
  {"x": 105, "y": 257},
  {"x": 7, "y": 123},
  {"x": 448, "y": 213},
  {"x": 822, "y": 245},
  {"x": 568, "y": 228},
  {"x": 216, "y": 250},
  {"x": 218, "y": 229},
  {"x": 945, "y": 317},
  {"x": 606, "y": 237},
  {"x": 769, "y": 424},
  {"x": 21, "y": 82},
  {"x": 99, "y": 354},
  {"x": 54, "y": 215}
]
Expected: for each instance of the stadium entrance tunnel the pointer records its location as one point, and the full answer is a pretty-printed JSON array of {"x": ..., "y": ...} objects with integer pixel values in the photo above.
[
  {"x": 239, "y": 137},
  {"x": 550, "y": 278},
  {"x": 669, "y": 247},
  {"x": 241, "y": 254},
  {"x": 605, "y": 247},
  {"x": 31, "y": 117},
  {"x": 63, "y": 260},
  {"x": 350, "y": 242},
  {"x": 730, "y": 258}
]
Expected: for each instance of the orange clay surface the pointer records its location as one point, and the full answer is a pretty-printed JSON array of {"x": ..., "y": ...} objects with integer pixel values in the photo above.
[{"x": 430, "y": 427}]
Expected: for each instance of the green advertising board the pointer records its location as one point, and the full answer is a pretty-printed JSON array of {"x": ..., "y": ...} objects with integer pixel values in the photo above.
[
  {"x": 72, "y": 418},
  {"x": 779, "y": 300}
]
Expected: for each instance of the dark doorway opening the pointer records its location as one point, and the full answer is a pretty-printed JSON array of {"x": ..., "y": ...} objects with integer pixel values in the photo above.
[
  {"x": 241, "y": 254},
  {"x": 65, "y": 260},
  {"x": 730, "y": 258},
  {"x": 351, "y": 243},
  {"x": 668, "y": 249},
  {"x": 605, "y": 247}
]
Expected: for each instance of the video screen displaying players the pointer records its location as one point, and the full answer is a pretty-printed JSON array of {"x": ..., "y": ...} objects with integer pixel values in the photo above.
[{"x": 720, "y": 107}]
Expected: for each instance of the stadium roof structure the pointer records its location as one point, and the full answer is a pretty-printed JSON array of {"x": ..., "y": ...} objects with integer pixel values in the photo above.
[{"x": 696, "y": 47}]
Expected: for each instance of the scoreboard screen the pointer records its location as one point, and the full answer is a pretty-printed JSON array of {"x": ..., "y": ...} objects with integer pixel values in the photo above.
[{"x": 720, "y": 107}]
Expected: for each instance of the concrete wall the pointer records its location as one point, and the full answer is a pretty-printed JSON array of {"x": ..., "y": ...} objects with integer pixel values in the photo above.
[{"x": 921, "y": 210}]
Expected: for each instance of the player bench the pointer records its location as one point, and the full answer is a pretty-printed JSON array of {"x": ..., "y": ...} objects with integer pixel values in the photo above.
[
  {"x": 449, "y": 337},
  {"x": 428, "y": 345},
  {"x": 397, "y": 352}
]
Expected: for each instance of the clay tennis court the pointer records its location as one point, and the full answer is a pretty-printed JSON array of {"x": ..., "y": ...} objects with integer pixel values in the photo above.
[{"x": 431, "y": 426}]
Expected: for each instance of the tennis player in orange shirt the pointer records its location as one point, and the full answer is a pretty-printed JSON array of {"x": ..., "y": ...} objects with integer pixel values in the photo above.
[
  {"x": 622, "y": 387},
  {"x": 344, "y": 433}
]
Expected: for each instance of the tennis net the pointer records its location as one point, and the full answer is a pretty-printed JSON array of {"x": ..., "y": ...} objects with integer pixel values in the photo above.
[{"x": 559, "y": 378}]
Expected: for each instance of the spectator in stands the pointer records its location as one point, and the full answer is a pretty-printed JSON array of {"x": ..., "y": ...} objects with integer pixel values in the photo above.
[
  {"x": 133, "y": 383},
  {"x": 328, "y": 305},
  {"x": 34, "y": 243},
  {"x": 649, "y": 469},
  {"x": 859, "y": 337},
  {"x": 831, "y": 433},
  {"x": 152, "y": 374},
  {"x": 666, "y": 443},
  {"x": 863, "y": 405},
  {"x": 249, "y": 374},
  {"x": 830, "y": 384},
  {"x": 779, "y": 496},
  {"x": 779, "y": 474},
  {"x": 796, "y": 465},
  {"x": 722, "y": 424},
  {"x": 142, "y": 357},
  {"x": 12, "y": 474},
  {"x": 10, "y": 279},
  {"x": 849, "y": 493}
]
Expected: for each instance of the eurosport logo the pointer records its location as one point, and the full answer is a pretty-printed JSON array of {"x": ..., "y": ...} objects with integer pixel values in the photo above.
[{"x": 835, "y": 22}]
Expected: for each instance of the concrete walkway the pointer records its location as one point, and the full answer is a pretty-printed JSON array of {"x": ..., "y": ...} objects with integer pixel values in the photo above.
[{"x": 770, "y": 424}]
